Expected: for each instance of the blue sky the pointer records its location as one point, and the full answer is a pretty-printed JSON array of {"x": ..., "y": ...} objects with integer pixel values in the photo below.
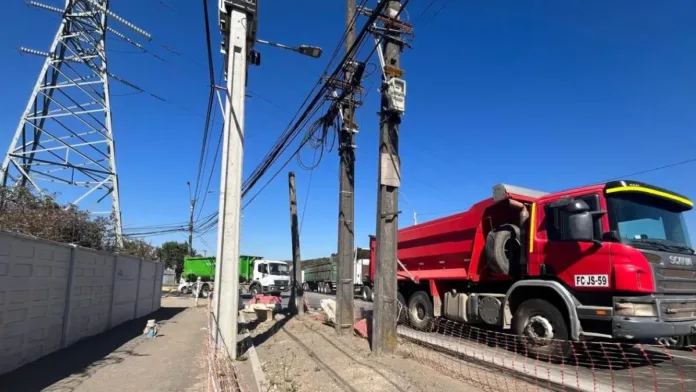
[{"x": 541, "y": 94}]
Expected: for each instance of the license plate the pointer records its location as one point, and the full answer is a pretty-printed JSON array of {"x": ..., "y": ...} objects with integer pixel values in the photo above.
[{"x": 591, "y": 280}]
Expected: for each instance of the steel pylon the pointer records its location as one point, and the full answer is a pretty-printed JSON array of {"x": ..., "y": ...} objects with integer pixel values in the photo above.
[{"x": 64, "y": 142}]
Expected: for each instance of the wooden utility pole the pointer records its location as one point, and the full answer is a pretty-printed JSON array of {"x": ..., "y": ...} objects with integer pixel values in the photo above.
[
  {"x": 346, "y": 200},
  {"x": 297, "y": 294},
  {"x": 385, "y": 309}
]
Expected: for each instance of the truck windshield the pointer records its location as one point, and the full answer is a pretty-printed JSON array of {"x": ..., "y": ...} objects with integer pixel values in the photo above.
[
  {"x": 650, "y": 223},
  {"x": 278, "y": 269}
]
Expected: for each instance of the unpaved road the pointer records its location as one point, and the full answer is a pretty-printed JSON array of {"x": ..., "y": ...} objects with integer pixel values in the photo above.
[
  {"x": 302, "y": 354},
  {"x": 600, "y": 367}
]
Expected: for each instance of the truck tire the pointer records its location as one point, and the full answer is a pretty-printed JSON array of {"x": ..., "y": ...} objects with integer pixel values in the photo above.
[
  {"x": 254, "y": 290},
  {"x": 366, "y": 294},
  {"x": 542, "y": 328},
  {"x": 205, "y": 291},
  {"x": 401, "y": 308},
  {"x": 503, "y": 248},
  {"x": 420, "y": 311}
]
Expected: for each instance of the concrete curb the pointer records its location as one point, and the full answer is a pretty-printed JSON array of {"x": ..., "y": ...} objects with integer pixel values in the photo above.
[{"x": 259, "y": 375}]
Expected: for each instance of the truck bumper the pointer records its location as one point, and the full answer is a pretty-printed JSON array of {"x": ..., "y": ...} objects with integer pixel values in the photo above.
[
  {"x": 273, "y": 289},
  {"x": 663, "y": 326},
  {"x": 643, "y": 328}
]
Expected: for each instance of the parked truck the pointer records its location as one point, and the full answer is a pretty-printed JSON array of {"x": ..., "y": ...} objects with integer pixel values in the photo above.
[
  {"x": 195, "y": 267},
  {"x": 321, "y": 275},
  {"x": 260, "y": 276},
  {"x": 256, "y": 275},
  {"x": 607, "y": 261}
]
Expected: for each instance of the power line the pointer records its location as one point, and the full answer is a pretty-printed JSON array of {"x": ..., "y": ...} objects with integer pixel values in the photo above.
[
  {"x": 210, "y": 176},
  {"x": 444, "y": 4},
  {"x": 653, "y": 169},
  {"x": 211, "y": 100},
  {"x": 309, "y": 189},
  {"x": 290, "y": 134}
]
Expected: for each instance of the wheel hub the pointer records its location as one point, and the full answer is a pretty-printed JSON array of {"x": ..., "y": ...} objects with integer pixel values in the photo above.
[
  {"x": 511, "y": 248},
  {"x": 420, "y": 312},
  {"x": 539, "y": 329}
]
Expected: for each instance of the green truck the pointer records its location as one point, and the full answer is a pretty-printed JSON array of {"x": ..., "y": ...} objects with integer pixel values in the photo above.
[
  {"x": 320, "y": 277},
  {"x": 256, "y": 275},
  {"x": 321, "y": 274}
]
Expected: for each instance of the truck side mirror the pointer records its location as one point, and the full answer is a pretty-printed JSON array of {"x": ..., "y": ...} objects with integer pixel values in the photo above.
[
  {"x": 611, "y": 236},
  {"x": 580, "y": 227}
]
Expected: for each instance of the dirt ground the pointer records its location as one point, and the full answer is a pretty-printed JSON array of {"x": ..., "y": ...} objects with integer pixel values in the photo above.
[{"x": 303, "y": 354}]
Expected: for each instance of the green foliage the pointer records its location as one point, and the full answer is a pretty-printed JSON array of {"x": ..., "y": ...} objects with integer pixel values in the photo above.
[
  {"x": 172, "y": 254},
  {"x": 41, "y": 216},
  {"x": 139, "y": 248}
]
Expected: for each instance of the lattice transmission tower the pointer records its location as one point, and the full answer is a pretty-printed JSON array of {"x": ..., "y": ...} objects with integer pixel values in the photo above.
[{"x": 64, "y": 142}]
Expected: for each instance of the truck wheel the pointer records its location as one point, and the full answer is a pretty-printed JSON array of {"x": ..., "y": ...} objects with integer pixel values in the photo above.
[
  {"x": 205, "y": 291},
  {"x": 401, "y": 308},
  {"x": 542, "y": 328},
  {"x": 420, "y": 311},
  {"x": 503, "y": 247},
  {"x": 366, "y": 294},
  {"x": 254, "y": 290},
  {"x": 185, "y": 290}
]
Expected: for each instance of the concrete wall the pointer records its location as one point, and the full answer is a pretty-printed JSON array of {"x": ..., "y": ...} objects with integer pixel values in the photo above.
[
  {"x": 125, "y": 289},
  {"x": 169, "y": 278},
  {"x": 52, "y": 295}
]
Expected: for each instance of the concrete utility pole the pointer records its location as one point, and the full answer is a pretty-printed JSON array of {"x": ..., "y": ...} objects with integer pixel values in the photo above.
[
  {"x": 238, "y": 25},
  {"x": 192, "y": 201},
  {"x": 346, "y": 199},
  {"x": 393, "y": 93},
  {"x": 190, "y": 229},
  {"x": 297, "y": 294}
]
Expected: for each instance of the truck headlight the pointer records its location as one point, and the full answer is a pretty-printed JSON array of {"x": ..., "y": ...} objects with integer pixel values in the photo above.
[{"x": 636, "y": 310}]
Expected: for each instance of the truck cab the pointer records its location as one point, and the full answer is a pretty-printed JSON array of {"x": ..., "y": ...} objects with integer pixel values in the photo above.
[
  {"x": 269, "y": 276},
  {"x": 622, "y": 250}
]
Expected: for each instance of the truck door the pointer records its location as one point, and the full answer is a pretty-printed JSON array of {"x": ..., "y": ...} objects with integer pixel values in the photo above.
[{"x": 583, "y": 266}]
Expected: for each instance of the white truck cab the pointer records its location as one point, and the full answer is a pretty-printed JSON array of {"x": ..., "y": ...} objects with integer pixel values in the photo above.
[{"x": 270, "y": 276}]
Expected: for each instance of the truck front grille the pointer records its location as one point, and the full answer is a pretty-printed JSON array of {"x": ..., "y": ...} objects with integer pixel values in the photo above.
[
  {"x": 676, "y": 311},
  {"x": 280, "y": 282},
  {"x": 674, "y": 280}
]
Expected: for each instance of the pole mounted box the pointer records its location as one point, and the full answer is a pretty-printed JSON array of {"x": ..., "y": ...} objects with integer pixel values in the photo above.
[
  {"x": 249, "y": 8},
  {"x": 396, "y": 92}
]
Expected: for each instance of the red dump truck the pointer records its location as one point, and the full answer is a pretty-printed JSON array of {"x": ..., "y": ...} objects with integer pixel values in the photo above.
[{"x": 612, "y": 261}]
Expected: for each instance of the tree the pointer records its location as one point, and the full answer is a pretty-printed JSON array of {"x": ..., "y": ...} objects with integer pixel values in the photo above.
[
  {"x": 41, "y": 216},
  {"x": 139, "y": 248},
  {"x": 172, "y": 254}
]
